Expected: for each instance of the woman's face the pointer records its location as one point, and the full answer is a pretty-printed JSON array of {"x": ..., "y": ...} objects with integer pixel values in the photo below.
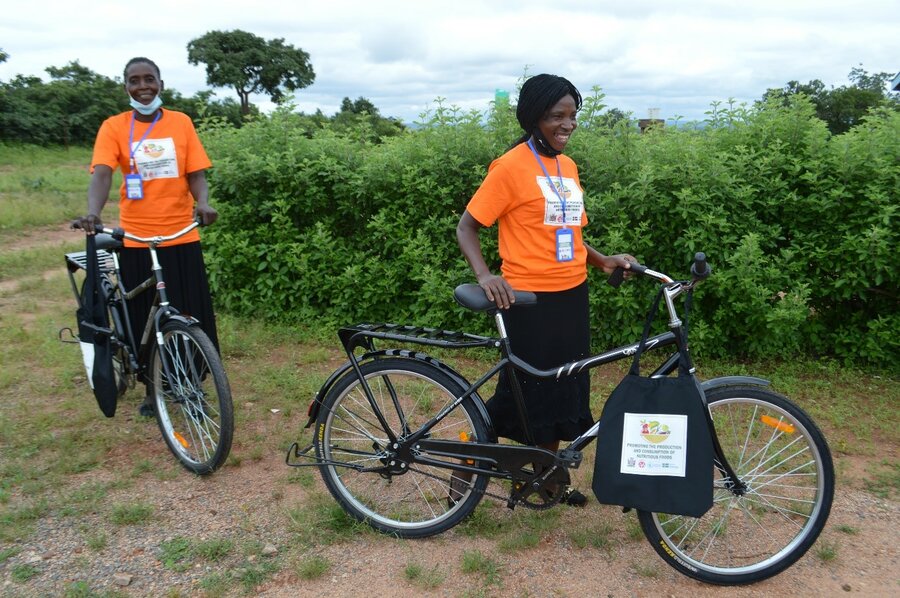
[
  {"x": 142, "y": 82},
  {"x": 558, "y": 123}
]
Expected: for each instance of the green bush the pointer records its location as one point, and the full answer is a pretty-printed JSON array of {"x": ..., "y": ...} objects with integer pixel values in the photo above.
[{"x": 328, "y": 226}]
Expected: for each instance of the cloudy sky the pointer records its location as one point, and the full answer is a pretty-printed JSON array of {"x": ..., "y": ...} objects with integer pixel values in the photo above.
[{"x": 674, "y": 55}]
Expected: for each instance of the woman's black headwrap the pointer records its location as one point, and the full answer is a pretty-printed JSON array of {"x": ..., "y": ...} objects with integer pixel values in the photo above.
[{"x": 538, "y": 95}]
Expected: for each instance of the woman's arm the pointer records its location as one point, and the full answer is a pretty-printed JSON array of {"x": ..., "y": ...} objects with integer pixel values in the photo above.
[
  {"x": 608, "y": 263},
  {"x": 200, "y": 190},
  {"x": 495, "y": 287},
  {"x": 98, "y": 193}
]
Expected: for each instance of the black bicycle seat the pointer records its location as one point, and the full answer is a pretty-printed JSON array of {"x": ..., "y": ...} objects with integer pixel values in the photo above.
[
  {"x": 471, "y": 296},
  {"x": 107, "y": 242}
]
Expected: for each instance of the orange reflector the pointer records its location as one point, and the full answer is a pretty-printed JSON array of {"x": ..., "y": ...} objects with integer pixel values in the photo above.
[
  {"x": 181, "y": 439},
  {"x": 464, "y": 436},
  {"x": 779, "y": 425}
]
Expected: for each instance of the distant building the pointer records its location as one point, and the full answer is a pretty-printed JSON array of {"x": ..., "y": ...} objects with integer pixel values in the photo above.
[
  {"x": 652, "y": 120},
  {"x": 895, "y": 84}
]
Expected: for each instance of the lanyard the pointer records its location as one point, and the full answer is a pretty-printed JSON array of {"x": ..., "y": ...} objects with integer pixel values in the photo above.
[
  {"x": 147, "y": 132},
  {"x": 549, "y": 180}
]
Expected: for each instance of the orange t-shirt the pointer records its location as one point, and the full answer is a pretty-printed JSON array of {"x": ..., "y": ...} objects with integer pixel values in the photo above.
[
  {"x": 170, "y": 151},
  {"x": 517, "y": 193}
]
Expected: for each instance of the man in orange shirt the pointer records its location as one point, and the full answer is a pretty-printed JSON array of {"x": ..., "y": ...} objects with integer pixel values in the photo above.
[
  {"x": 533, "y": 192},
  {"x": 164, "y": 189}
]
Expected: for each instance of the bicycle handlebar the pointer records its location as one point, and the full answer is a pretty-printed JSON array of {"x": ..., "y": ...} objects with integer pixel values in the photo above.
[
  {"x": 700, "y": 270},
  {"x": 120, "y": 233}
]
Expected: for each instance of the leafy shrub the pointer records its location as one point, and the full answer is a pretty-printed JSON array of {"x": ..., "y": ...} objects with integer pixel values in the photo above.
[{"x": 327, "y": 226}]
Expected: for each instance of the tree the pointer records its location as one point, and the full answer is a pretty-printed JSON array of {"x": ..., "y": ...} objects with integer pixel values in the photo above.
[
  {"x": 842, "y": 107},
  {"x": 362, "y": 111},
  {"x": 3, "y": 56},
  {"x": 249, "y": 64}
]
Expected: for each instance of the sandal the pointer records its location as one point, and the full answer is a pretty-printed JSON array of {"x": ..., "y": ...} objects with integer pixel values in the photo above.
[{"x": 573, "y": 498}]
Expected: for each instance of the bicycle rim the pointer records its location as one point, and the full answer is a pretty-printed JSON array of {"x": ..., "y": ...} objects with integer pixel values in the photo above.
[
  {"x": 193, "y": 403},
  {"x": 414, "y": 503},
  {"x": 780, "y": 454}
]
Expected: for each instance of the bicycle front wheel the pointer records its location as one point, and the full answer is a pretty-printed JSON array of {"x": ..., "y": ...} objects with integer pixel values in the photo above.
[
  {"x": 355, "y": 450},
  {"x": 192, "y": 398},
  {"x": 782, "y": 457}
]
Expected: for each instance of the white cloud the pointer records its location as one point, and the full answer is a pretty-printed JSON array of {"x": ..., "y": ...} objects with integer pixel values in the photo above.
[{"x": 678, "y": 56}]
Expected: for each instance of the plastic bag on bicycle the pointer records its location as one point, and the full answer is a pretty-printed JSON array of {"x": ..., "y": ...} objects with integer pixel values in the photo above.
[
  {"x": 96, "y": 345},
  {"x": 654, "y": 449}
]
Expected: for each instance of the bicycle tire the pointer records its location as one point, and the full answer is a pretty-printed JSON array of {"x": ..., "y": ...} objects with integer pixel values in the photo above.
[
  {"x": 193, "y": 409},
  {"x": 117, "y": 324},
  {"x": 412, "y": 504},
  {"x": 779, "y": 452}
]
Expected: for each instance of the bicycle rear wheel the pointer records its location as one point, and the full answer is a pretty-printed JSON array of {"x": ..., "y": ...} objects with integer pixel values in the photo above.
[
  {"x": 193, "y": 403},
  {"x": 777, "y": 450},
  {"x": 413, "y": 503}
]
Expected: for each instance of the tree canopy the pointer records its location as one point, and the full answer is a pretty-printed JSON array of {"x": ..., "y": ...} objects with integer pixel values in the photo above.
[
  {"x": 249, "y": 64},
  {"x": 841, "y": 107}
]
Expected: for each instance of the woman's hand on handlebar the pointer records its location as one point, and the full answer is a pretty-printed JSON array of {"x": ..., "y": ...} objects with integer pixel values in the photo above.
[
  {"x": 89, "y": 223},
  {"x": 205, "y": 214},
  {"x": 497, "y": 290},
  {"x": 621, "y": 260}
]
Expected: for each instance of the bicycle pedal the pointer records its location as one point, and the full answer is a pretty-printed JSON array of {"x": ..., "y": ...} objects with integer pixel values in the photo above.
[{"x": 569, "y": 458}]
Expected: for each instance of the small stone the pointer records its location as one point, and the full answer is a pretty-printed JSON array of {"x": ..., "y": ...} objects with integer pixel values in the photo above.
[
  {"x": 122, "y": 579},
  {"x": 251, "y": 558},
  {"x": 48, "y": 555},
  {"x": 269, "y": 550},
  {"x": 846, "y": 587}
]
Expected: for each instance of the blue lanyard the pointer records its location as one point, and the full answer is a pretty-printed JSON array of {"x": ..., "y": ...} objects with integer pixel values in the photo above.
[
  {"x": 549, "y": 180},
  {"x": 147, "y": 132}
]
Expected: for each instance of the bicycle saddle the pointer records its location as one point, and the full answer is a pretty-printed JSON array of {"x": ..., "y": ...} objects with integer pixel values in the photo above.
[
  {"x": 471, "y": 296},
  {"x": 107, "y": 242}
]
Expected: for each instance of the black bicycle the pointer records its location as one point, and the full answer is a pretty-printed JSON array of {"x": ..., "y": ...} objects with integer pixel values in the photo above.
[
  {"x": 396, "y": 431},
  {"x": 185, "y": 374}
]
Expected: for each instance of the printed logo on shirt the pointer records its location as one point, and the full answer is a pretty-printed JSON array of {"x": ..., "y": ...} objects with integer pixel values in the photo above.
[
  {"x": 156, "y": 159},
  {"x": 570, "y": 192}
]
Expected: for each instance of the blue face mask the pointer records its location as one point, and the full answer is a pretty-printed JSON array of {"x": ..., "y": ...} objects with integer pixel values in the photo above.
[{"x": 146, "y": 109}]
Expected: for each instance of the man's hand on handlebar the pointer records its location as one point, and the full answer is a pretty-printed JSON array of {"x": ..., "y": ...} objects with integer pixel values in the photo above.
[{"x": 89, "y": 224}]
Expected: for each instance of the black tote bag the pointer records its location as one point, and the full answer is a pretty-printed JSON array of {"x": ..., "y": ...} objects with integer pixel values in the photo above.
[
  {"x": 94, "y": 335},
  {"x": 654, "y": 450}
]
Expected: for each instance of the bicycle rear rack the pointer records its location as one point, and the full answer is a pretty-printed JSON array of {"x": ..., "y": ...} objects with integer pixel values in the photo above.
[
  {"x": 361, "y": 335},
  {"x": 77, "y": 260}
]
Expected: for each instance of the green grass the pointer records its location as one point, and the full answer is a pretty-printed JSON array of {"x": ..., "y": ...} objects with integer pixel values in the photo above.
[
  {"x": 131, "y": 514},
  {"x": 313, "y": 567},
  {"x": 476, "y": 562},
  {"x": 427, "y": 579},
  {"x": 175, "y": 554}
]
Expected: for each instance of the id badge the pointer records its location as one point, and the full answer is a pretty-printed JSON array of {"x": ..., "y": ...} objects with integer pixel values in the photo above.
[
  {"x": 565, "y": 245},
  {"x": 134, "y": 186}
]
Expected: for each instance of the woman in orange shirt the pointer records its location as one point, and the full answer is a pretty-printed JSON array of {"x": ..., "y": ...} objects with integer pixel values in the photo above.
[
  {"x": 164, "y": 163},
  {"x": 534, "y": 194}
]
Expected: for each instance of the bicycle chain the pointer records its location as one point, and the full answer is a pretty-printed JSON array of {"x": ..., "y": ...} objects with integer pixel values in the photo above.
[{"x": 524, "y": 503}]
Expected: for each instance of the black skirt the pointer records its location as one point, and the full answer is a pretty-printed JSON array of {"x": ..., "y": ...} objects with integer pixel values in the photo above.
[
  {"x": 186, "y": 285},
  {"x": 547, "y": 335}
]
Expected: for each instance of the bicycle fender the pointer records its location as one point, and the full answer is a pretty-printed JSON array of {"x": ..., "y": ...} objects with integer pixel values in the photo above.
[
  {"x": 733, "y": 381},
  {"x": 313, "y": 412}
]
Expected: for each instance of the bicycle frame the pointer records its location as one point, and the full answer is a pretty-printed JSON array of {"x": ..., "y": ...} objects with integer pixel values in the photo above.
[
  {"x": 500, "y": 460},
  {"x": 161, "y": 311}
]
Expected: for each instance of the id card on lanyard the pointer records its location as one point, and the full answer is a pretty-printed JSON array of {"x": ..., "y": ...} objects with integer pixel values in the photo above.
[
  {"x": 134, "y": 184},
  {"x": 565, "y": 236}
]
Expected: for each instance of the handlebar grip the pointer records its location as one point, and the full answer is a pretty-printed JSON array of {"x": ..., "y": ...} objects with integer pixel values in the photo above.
[
  {"x": 618, "y": 275},
  {"x": 700, "y": 269},
  {"x": 615, "y": 279}
]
